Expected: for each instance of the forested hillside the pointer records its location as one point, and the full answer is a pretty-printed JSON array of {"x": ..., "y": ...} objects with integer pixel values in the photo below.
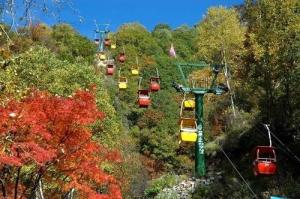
[{"x": 69, "y": 130}]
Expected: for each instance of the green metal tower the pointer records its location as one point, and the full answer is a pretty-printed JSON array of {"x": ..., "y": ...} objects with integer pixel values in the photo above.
[{"x": 199, "y": 92}]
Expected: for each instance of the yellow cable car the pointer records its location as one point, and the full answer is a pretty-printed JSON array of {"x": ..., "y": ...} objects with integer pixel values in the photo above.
[
  {"x": 188, "y": 129},
  {"x": 102, "y": 57},
  {"x": 135, "y": 68},
  {"x": 135, "y": 71},
  {"x": 187, "y": 109},
  {"x": 189, "y": 103},
  {"x": 122, "y": 82},
  {"x": 113, "y": 46}
]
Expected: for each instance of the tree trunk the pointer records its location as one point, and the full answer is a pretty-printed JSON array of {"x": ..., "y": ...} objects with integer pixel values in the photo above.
[
  {"x": 3, "y": 188},
  {"x": 39, "y": 191},
  {"x": 70, "y": 194},
  {"x": 228, "y": 83},
  {"x": 36, "y": 184},
  {"x": 17, "y": 183}
]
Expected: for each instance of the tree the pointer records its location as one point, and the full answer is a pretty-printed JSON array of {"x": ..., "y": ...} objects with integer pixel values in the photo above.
[
  {"x": 20, "y": 12},
  {"x": 161, "y": 27},
  {"x": 137, "y": 36},
  {"x": 47, "y": 137},
  {"x": 69, "y": 44},
  {"x": 271, "y": 62},
  {"x": 40, "y": 32},
  {"x": 184, "y": 41},
  {"x": 220, "y": 35},
  {"x": 221, "y": 39},
  {"x": 163, "y": 35},
  {"x": 40, "y": 68}
]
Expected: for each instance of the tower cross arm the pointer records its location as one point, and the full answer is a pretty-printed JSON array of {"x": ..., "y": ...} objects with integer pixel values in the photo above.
[{"x": 218, "y": 90}]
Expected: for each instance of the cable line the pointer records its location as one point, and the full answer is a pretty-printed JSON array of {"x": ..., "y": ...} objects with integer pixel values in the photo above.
[
  {"x": 232, "y": 164},
  {"x": 287, "y": 149}
]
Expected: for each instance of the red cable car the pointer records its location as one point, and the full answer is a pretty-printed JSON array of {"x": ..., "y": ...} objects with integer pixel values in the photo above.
[
  {"x": 265, "y": 161},
  {"x": 154, "y": 84},
  {"x": 107, "y": 42},
  {"x": 110, "y": 69},
  {"x": 144, "y": 98},
  {"x": 122, "y": 57}
]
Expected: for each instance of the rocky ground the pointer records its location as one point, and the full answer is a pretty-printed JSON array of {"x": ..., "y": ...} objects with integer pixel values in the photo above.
[{"x": 186, "y": 188}]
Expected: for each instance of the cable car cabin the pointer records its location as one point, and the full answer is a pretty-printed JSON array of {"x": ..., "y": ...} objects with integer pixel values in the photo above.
[
  {"x": 154, "y": 84},
  {"x": 134, "y": 71},
  {"x": 102, "y": 56},
  {"x": 107, "y": 42},
  {"x": 144, "y": 98},
  {"x": 122, "y": 82},
  {"x": 188, "y": 129},
  {"x": 189, "y": 104},
  {"x": 97, "y": 41},
  {"x": 122, "y": 57},
  {"x": 113, "y": 46},
  {"x": 265, "y": 161},
  {"x": 110, "y": 69}
]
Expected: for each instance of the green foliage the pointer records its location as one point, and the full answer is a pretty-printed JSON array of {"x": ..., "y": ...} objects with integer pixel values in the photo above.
[
  {"x": 261, "y": 47},
  {"x": 158, "y": 144},
  {"x": 62, "y": 39},
  {"x": 161, "y": 26},
  {"x": 218, "y": 190},
  {"x": 271, "y": 61},
  {"x": 291, "y": 187},
  {"x": 184, "y": 42},
  {"x": 163, "y": 36},
  {"x": 167, "y": 195},
  {"x": 165, "y": 181},
  {"x": 137, "y": 36},
  {"x": 40, "y": 33},
  {"x": 156, "y": 135},
  {"x": 69, "y": 44},
  {"x": 220, "y": 35},
  {"x": 39, "y": 68}
]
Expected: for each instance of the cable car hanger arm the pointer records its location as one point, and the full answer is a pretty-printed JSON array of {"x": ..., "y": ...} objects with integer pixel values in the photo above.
[{"x": 179, "y": 65}]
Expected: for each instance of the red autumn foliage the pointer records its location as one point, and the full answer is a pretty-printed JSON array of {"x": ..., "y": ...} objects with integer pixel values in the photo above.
[{"x": 51, "y": 133}]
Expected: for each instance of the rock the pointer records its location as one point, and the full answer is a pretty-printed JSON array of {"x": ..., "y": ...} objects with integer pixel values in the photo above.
[{"x": 186, "y": 188}]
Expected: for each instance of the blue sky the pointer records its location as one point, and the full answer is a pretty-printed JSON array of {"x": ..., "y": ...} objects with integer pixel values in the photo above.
[{"x": 147, "y": 12}]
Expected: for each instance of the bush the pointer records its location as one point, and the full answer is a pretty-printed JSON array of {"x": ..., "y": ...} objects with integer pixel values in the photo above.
[
  {"x": 165, "y": 181},
  {"x": 219, "y": 190}
]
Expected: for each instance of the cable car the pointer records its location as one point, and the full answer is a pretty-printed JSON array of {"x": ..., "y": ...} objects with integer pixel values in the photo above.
[
  {"x": 265, "y": 161},
  {"x": 134, "y": 71},
  {"x": 113, "y": 46},
  {"x": 187, "y": 109},
  {"x": 110, "y": 69},
  {"x": 135, "y": 68},
  {"x": 188, "y": 130},
  {"x": 154, "y": 84},
  {"x": 107, "y": 42},
  {"x": 277, "y": 197},
  {"x": 122, "y": 57},
  {"x": 102, "y": 56},
  {"x": 97, "y": 41},
  {"x": 188, "y": 104},
  {"x": 144, "y": 98},
  {"x": 122, "y": 82}
]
